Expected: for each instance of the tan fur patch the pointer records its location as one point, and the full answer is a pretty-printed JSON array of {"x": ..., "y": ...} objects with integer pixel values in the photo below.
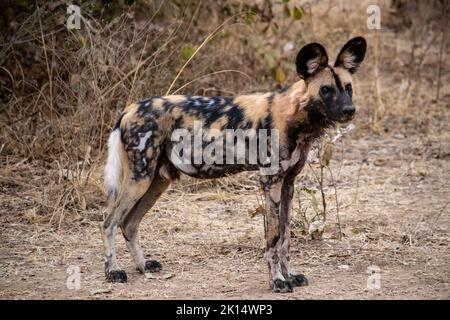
[
  {"x": 176, "y": 99},
  {"x": 158, "y": 103},
  {"x": 256, "y": 106},
  {"x": 324, "y": 77},
  {"x": 219, "y": 123},
  {"x": 164, "y": 173},
  {"x": 275, "y": 192},
  {"x": 176, "y": 113},
  {"x": 130, "y": 116},
  {"x": 188, "y": 121},
  {"x": 130, "y": 107},
  {"x": 165, "y": 123},
  {"x": 344, "y": 75},
  {"x": 226, "y": 108},
  {"x": 287, "y": 106},
  {"x": 149, "y": 152}
]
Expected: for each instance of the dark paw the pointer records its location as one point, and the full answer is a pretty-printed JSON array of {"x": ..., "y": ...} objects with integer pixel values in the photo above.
[
  {"x": 282, "y": 286},
  {"x": 116, "y": 276},
  {"x": 298, "y": 280},
  {"x": 152, "y": 266}
]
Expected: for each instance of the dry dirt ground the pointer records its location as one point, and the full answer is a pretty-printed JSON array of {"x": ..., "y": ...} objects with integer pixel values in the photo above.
[{"x": 393, "y": 192}]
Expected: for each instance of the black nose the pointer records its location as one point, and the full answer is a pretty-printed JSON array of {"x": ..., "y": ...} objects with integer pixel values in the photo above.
[{"x": 348, "y": 110}]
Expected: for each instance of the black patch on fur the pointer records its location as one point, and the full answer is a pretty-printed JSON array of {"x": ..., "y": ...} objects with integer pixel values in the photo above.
[
  {"x": 138, "y": 159},
  {"x": 146, "y": 106},
  {"x": 287, "y": 192},
  {"x": 152, "y": 266},
  {"x": 282, "y": 90},
  {"x": 116, "y": 276},
  {"x": 266, "y": 123},
  {"x": 314, "y": 127},
  {"x": 117, "y": 126},
  {"x": 235, "y": 117},
  {"x": 273, "y": 242},
  {"x": 247, "y": 125},
  {"x": 337, "y": 80},
  {"x": 282, "y": 286},
  {"x": 298, "y": 280}
]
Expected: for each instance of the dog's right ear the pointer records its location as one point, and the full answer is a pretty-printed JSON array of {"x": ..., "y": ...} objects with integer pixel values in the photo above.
[
  {"x": 352, "y": 54},
  {"x": 311, "y": 59}
]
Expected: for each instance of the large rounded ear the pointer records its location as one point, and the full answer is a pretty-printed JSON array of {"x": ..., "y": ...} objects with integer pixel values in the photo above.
[
  {"x": 352, "y": 54},
  {"x": 310, "y": 59}
]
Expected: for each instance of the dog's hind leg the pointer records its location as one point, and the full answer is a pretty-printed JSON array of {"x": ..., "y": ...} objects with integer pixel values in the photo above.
[
  {"x": 132, "y": 220},
  {"x": 131, "y": 193}
]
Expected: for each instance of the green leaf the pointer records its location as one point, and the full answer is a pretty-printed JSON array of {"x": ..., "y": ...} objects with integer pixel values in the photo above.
[
  {"x": 308, "y": 190},
  {"x": 314, "y": 202},
  {"x": 100, "y": 291},
  {"x": 255, "y": 41},
  {"x": 249, "y": 17},
  {"x": 286, "y": 11},
  {"x": 280, "y": 76},
  {"x": 167, "y": 276},
  {"x": 82, "y": 41},
  {"x": 275, "y": 27},
  {"x": 150, "y": 275},
  {"x": 270, "y": 59},
  {"x": 23, "y": 3},
  {"x": 187, "y": 52},
  {"x": 297, "y": 13},
  {"x": 259, "y": 210},
  {"x": 326, "y": 155},
  {"x": 286, "y": 1}
]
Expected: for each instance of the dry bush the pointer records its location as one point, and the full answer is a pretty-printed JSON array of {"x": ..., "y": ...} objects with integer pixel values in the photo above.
[{"x": 62, "y": 90}]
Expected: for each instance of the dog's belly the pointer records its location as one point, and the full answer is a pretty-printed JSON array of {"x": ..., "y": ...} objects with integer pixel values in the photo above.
[
  {"x": 204, "y": 170},
  {"x": 212, "y": 171}
]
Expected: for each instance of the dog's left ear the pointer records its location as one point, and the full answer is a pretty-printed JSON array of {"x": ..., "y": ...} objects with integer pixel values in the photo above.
[
  {"x": 352, "y": 54},
  {"x": 311, "y": 59}
]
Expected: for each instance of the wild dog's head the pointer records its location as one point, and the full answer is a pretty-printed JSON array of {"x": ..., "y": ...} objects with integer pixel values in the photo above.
[{"x": 329, "y": 91}]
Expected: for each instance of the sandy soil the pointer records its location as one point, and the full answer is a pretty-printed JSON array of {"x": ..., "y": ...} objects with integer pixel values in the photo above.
[{"x": 393, "y": 192}]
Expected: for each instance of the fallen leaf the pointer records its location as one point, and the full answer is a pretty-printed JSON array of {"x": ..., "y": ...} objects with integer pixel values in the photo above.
[
  {"x": 259, "y": 210},
  {"x": 379, "y": 162},
  {"x": 100, "y": 291},
  {"x": 168, "y": 276},
  {"x": 150, "y": 275}
]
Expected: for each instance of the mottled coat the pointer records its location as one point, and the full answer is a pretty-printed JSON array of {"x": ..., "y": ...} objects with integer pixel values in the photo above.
[{"x": 139, "y": 167}]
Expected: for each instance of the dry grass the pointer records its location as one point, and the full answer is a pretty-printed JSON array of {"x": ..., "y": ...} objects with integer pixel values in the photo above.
[{"x": 62, "y": 91}]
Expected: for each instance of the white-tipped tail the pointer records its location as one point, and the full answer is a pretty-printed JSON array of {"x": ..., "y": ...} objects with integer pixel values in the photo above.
[{"x": 113, "y": 168}]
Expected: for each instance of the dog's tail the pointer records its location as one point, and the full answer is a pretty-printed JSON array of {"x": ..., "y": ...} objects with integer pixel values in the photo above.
[{"x": 113, "y": 168}]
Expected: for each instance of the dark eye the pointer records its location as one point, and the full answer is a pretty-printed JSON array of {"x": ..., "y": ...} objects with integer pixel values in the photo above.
[
  {"x": 326, "y": 90},
  {"x": 349, "y": 89}
]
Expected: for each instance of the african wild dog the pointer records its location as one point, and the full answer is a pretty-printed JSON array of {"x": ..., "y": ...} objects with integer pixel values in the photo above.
[{"x": 140, "y": 168}]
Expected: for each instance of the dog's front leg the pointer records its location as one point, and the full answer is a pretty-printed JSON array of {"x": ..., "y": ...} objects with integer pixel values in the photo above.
[
  {"x": 287, "y": 193},
  {"x": 272, "y": 190}
]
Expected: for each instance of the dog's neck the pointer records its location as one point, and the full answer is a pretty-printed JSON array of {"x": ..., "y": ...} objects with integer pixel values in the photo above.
[{"x": 296, "y": 117}]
